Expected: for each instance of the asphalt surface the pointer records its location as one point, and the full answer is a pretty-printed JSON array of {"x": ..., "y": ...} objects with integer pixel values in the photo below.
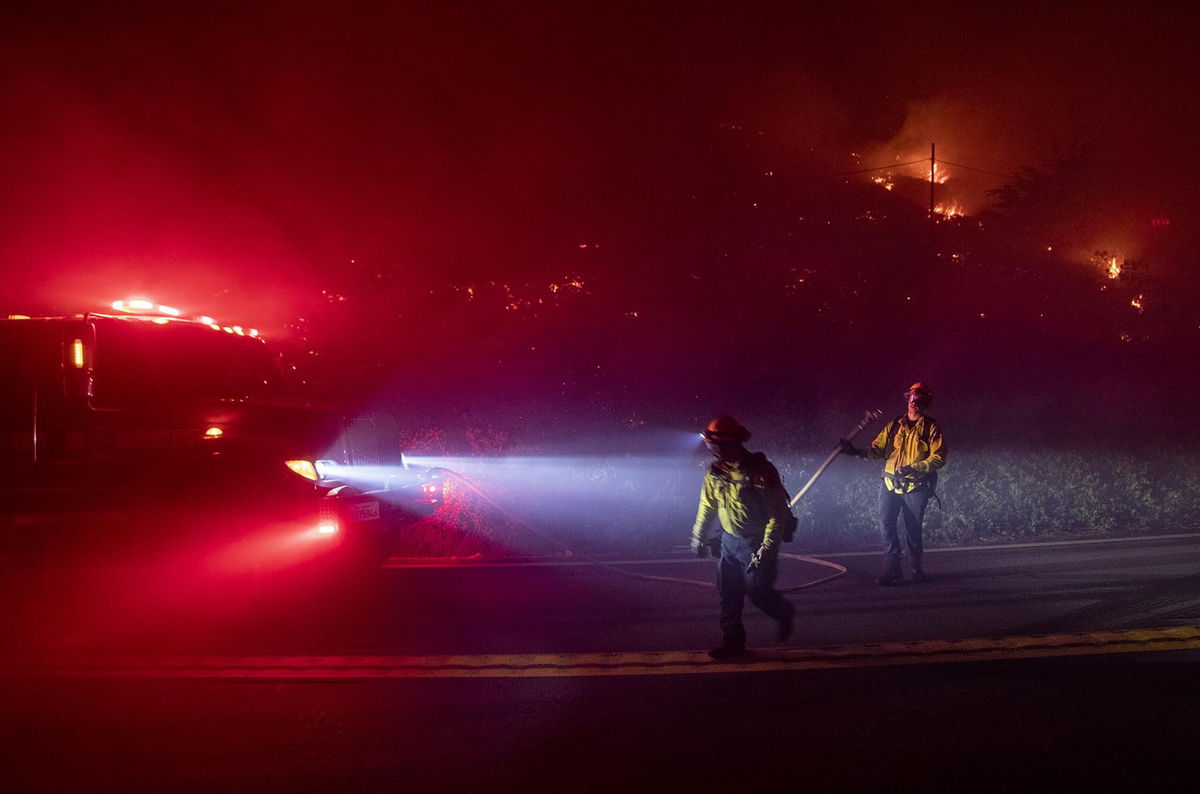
[{"x": 1041, "y": 666}]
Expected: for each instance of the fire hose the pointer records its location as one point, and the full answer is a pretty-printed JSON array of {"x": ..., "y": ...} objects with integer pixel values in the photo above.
[{"x": 870, "y": 417}]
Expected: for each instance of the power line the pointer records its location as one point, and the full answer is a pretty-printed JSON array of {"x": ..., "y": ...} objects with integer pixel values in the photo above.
[
  {"x": 922, "y": 161},
  {"x": 970, "y": 168}
]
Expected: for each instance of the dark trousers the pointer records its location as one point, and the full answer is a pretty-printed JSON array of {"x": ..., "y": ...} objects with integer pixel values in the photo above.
[
  {"x": 735, "y": 584},
  {"x": 911, "y": 506}
]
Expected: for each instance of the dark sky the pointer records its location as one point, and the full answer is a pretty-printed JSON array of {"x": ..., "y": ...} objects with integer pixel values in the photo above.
[{"x": 237, "y": 158}]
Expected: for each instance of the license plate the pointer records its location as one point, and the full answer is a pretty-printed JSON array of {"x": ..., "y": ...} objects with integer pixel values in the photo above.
[{"x": 364, "y": 511}]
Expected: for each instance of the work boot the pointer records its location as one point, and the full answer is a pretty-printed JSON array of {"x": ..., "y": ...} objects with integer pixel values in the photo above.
[
  {"x": 726, "y": 651},
  {"x": 891, "y": 573},
  {"x": 918, "y": 575},
  {"x": 783, "y": 630}
]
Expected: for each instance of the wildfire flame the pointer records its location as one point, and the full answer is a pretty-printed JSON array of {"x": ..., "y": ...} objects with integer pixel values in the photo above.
[
  {"x": 948, "y": 211},
  {"x": 931, "y": 172},
  {"x": 1114, "y": 268},
  {"x": 937, "y": 174},
  {"x": 1139, "y": 303}
]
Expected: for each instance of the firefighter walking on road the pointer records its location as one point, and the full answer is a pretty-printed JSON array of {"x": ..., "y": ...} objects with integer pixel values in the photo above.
[
  {"x": 913, "y": 449},
  {"x": 743, "y": 491}
]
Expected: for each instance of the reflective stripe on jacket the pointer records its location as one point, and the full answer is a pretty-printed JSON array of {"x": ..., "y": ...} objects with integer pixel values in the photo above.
[
  {"x": 918, "y": 444},
  {"x": 747, "y": 498}
]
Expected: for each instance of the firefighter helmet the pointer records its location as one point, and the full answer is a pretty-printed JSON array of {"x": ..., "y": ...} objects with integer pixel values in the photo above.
[
  {"x": 921, "y": 390},
  {"x": 726, "y": 428}
]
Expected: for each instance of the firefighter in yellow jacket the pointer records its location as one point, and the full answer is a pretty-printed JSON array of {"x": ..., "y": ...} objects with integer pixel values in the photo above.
[
  {"x": 913, "y": 449},
  {"x": 743, "y": 491}
]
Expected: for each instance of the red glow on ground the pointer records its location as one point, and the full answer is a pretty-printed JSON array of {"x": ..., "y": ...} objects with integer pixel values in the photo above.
[{"x": 273, "y": 549}]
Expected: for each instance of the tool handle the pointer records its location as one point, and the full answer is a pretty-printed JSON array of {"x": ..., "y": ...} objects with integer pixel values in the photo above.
[{"x": 868, "y": 418}]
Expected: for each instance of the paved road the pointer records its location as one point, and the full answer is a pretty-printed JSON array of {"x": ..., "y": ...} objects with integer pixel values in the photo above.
[{"x": 145, "y": 693}]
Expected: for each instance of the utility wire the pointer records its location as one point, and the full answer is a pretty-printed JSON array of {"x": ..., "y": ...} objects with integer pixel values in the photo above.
[
  {"x": 922, "y": 161},
  {"x": 882, "y": 168},
  {"x": 969, "y": 168},
  {"x": 803, "y": 177}
]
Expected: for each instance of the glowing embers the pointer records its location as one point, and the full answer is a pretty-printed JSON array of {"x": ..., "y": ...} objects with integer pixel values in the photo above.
[{"x": 304, "y": 468}]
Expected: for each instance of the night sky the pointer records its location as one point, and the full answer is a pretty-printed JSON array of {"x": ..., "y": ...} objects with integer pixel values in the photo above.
[{"x": 388, "y": 169}]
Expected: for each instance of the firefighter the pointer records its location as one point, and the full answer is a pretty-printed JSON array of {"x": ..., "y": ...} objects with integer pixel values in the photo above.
[
  {"x": 743, "y": 491},
  {"x": 913, "y": 449}
]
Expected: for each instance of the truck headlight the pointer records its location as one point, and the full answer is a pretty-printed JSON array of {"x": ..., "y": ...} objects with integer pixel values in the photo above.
[{"x": 304, "y": 468}]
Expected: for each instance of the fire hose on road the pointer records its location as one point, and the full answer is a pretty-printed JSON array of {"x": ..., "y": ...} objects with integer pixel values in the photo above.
[{"x": 839, "y": 570}]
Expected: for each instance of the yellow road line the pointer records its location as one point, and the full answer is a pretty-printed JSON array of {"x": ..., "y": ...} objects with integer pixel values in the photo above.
[{"x": 320, "y": 668}]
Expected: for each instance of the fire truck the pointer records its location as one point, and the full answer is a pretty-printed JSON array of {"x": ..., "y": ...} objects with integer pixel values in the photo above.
[{"x": 145, "y": 427}]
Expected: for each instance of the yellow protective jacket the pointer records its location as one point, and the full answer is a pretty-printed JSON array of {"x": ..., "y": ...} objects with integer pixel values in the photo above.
[
  {"x": 747, "y": 498},
  {"x": 903, "y": 443}
]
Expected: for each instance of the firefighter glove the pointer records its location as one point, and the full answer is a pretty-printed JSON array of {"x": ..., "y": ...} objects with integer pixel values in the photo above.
[
  {"x": 846, "y": 448},
  {"x": 906, "y": 471},
  {"x": 698, "y": 547}
]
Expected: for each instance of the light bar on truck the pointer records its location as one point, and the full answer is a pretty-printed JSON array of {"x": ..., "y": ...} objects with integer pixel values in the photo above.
[{"x": 159, "y": 313}]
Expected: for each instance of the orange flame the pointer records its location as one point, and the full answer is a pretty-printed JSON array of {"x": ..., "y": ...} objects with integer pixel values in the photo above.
[
  {"x": 937, "y": 174},
  {"x": 948, "y": 211}
]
